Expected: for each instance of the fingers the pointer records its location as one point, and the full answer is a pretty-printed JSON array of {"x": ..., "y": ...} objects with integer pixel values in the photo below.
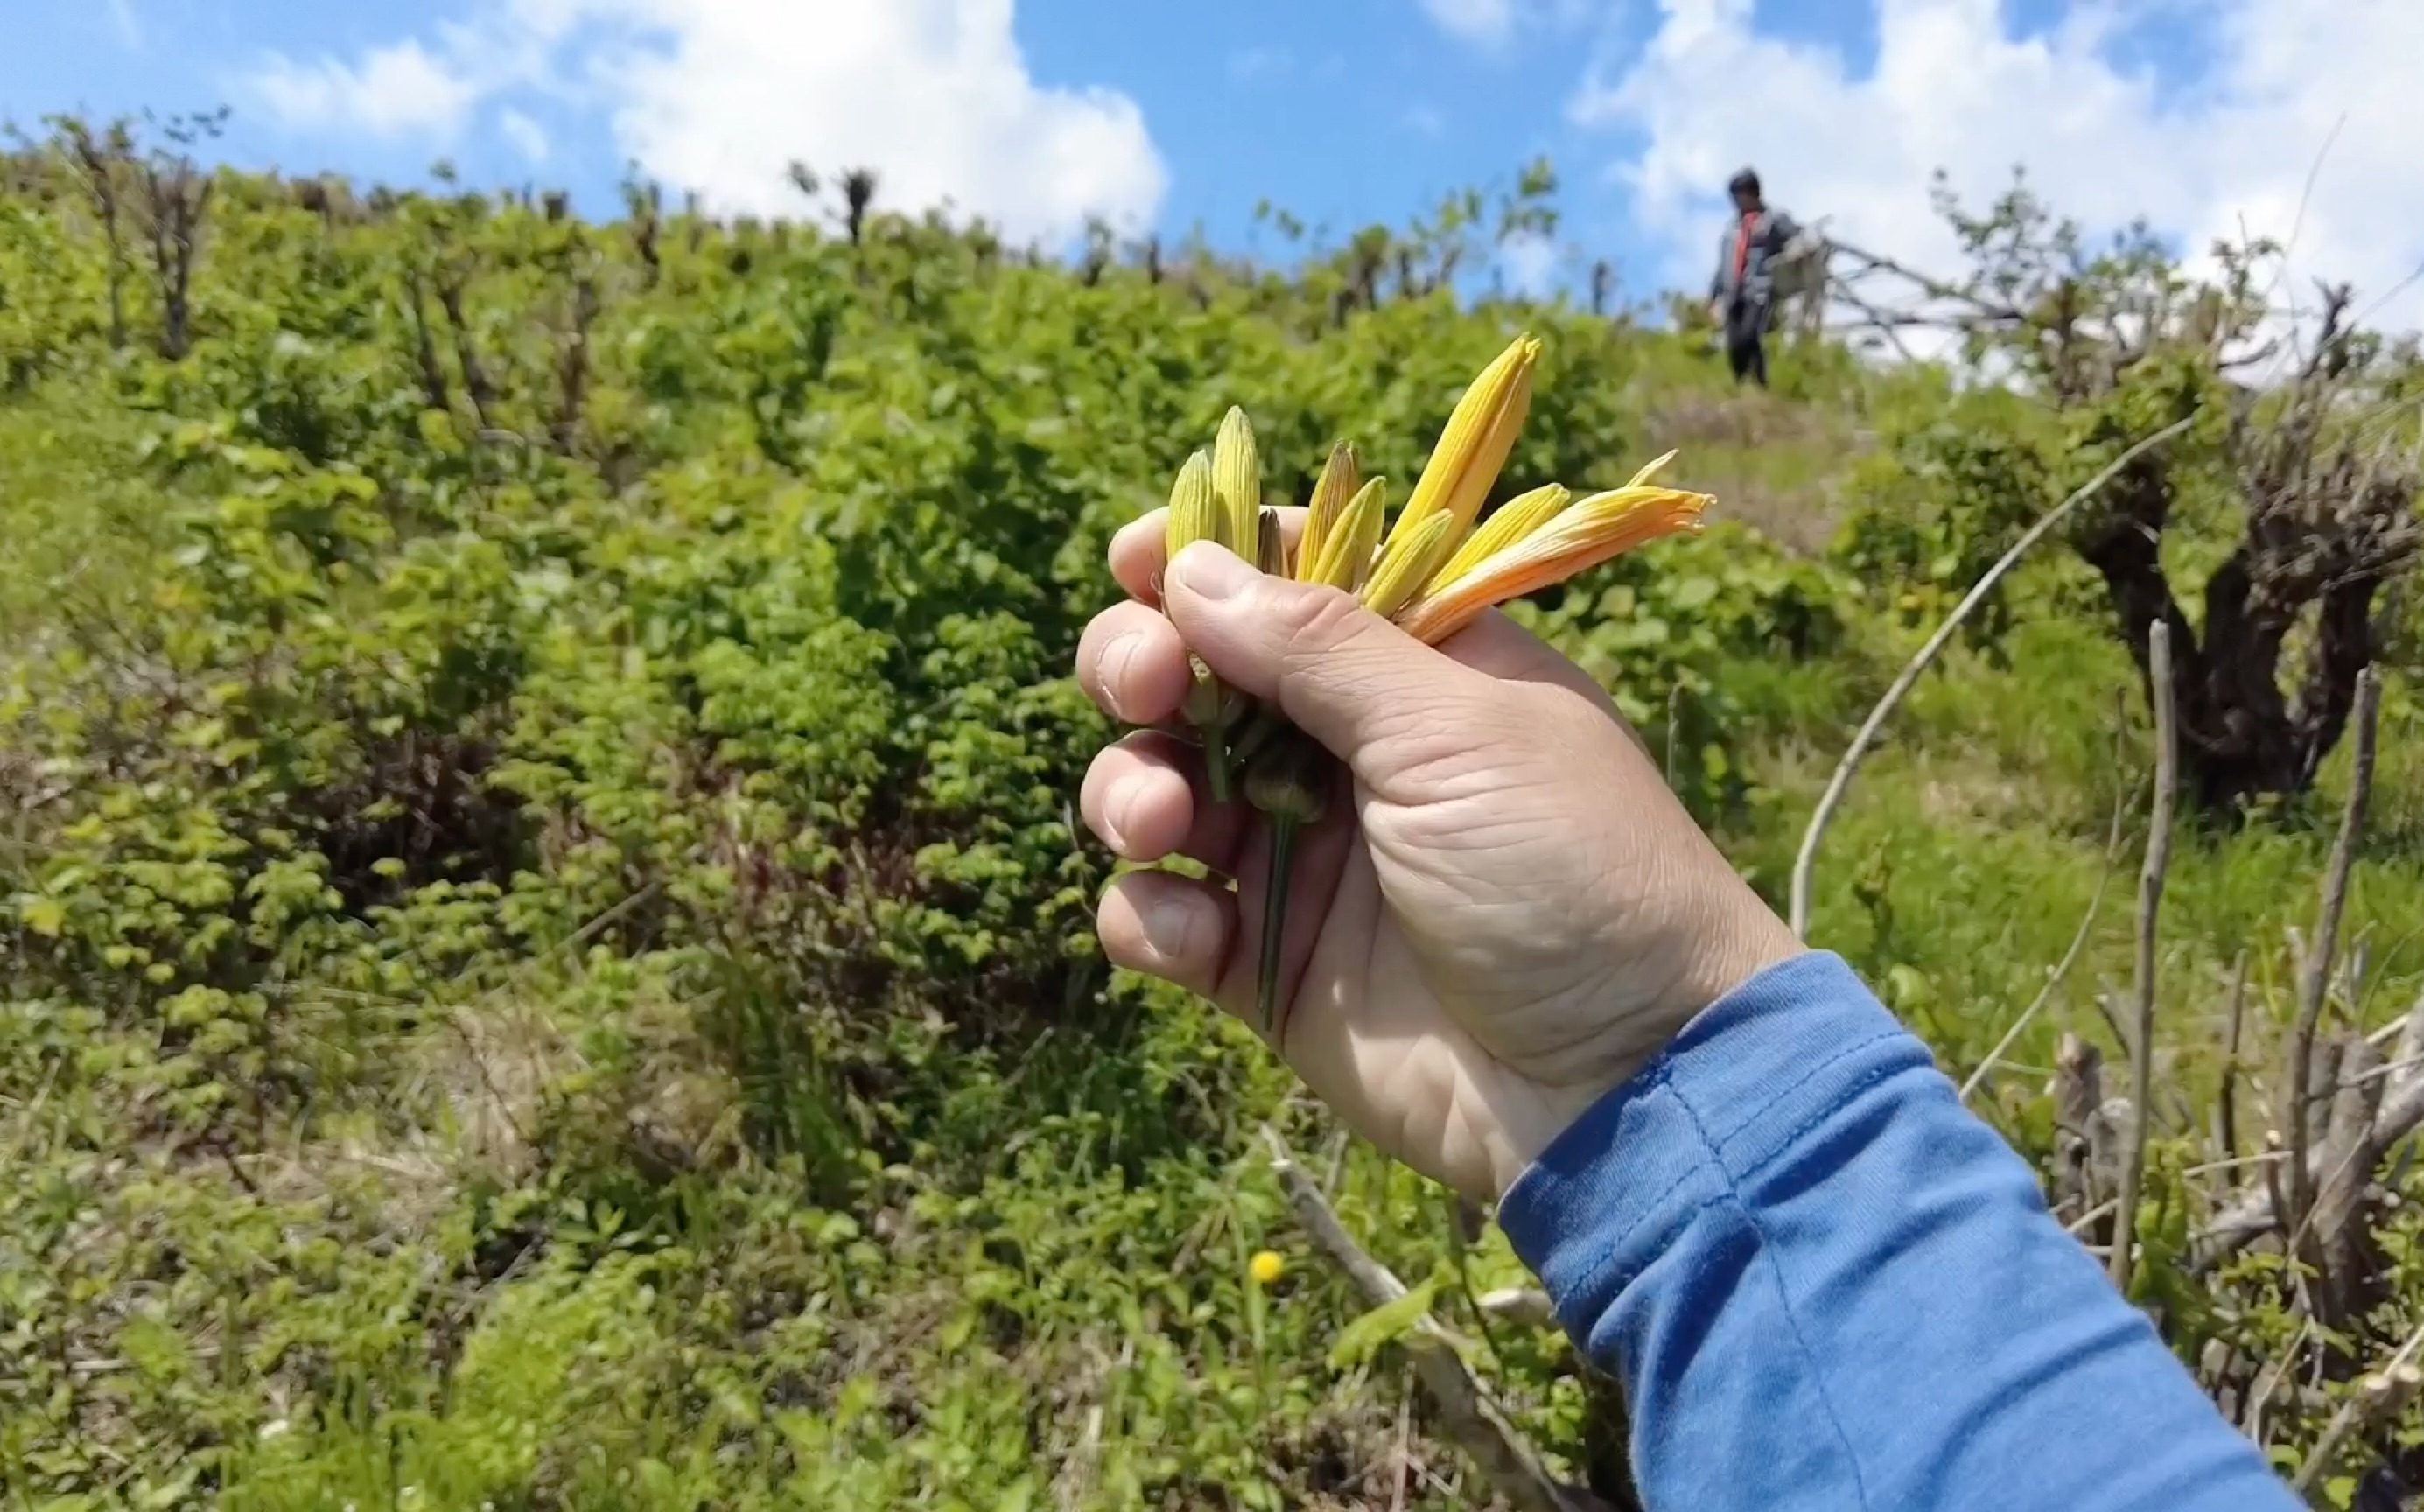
[
  {"x": 1132, "y": 663},
  {"x": 1144, "y": 797},
  {"x": 1140, "y": 551},
  {"x": 1168, "y": 925},
  {"x": 1340, "y": 672}
]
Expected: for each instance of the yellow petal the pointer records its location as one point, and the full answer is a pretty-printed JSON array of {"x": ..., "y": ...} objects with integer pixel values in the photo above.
[
  {"x": 1641, "y": 479},
  {"x": 1237, "y": 481},
  {"x": 1331, "y": 496},
  {"x": 1589, "y": 532},
  {"x": 1407, "y": 562},
  {"x": 1346, "y": 553},
  {"x": 1474, "y": 448},
  {"x": 1193, "y": 515},
  {"x": 1516, "y": 519}
]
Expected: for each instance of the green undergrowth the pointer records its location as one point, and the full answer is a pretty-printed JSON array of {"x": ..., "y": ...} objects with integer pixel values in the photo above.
[{"x": 545, "y": 959}]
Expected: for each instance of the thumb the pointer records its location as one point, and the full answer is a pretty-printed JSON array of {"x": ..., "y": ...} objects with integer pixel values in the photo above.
[{"x": 1340, "y": 672}]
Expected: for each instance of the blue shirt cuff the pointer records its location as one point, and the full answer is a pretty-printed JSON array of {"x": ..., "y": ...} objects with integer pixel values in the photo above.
[{"x": 1753, "y": 1073}]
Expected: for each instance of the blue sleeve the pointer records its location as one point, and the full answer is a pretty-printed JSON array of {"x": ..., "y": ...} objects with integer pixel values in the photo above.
[{"x": 1825, "y": 1284}]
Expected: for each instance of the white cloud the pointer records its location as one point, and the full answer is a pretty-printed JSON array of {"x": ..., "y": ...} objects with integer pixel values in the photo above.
[
  {"x": 124, "y": 21},
  {"x": 527, "y": 136},
  {"x": 1956, "y": 84},
  {"x": 1486, "y": 22},
  {"x": 721, "y": 96},
  {"x": 396, "y": 90},
  {"x": 933, "y": 94}
]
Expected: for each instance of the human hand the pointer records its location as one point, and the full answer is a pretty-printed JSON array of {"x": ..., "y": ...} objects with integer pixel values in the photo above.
[{"x": 1511, "y": 915}]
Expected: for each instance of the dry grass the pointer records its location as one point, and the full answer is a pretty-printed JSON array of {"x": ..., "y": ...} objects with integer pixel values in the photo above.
[{"x": 1774, "y": 464}]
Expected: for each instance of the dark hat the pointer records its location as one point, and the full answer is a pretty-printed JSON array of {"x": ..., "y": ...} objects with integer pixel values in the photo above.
[{"x": 1746, "y": 180}]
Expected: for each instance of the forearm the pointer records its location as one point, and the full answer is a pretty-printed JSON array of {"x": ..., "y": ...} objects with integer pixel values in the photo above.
[{"x": 1825, "y": 1284}]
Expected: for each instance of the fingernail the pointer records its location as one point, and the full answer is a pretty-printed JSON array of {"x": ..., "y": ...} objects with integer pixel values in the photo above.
[
  {"x": 1166, "y": 922},
  {"x": 1114, "y": 670},
  {"x": 1209, "y": 572}
]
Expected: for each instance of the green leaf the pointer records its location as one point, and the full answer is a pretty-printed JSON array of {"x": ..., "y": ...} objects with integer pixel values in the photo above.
[
  {"x": 44, "y": 917},
  {"x": 1692, "y": 592},
  {"x": 1367, "y": 1336}
]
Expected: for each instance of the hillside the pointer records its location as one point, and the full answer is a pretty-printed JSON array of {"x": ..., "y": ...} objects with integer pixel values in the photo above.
[{"x": 544, "y": 961}]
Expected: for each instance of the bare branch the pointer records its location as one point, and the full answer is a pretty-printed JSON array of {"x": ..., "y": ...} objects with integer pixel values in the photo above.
[
  {"x": 2227, "y": 1112},
  {"x": 2371, "y": 1402},
  {"x": 2150, "y": 903},
  {"x": 2316, "y": 980},
  {"x": 1804, "y": 863}
]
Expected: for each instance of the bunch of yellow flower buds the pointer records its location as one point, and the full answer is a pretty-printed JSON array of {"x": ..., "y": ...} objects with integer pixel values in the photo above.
[{"x": 1432, "y": 575}]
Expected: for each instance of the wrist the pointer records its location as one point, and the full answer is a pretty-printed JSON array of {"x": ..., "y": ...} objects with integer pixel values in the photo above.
[{"x": 1744, "y": 939}]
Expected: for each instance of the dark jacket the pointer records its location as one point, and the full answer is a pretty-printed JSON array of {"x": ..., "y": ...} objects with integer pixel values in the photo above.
[{"x": 1773, "y": 233}]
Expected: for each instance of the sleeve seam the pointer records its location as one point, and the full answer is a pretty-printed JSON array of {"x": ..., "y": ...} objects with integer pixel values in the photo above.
[
  {"x": 1734, "y": 1198},
  {"x": 1719, "y": 1144}
]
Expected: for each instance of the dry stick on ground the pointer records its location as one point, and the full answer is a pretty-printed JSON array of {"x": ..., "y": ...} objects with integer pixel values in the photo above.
[
  {"x": 2150, "y": 903},
  {"x": 1513, "y": 1465},
  {"x": 1845, "y": 771},
  {"x": 2315, "y": 982},
  {"x": 2227, "y": 1115}
]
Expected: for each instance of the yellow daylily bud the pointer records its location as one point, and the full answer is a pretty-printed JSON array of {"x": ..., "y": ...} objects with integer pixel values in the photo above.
[
  {"x": 1589, "y": 532},
  {"x": 1331, "y": 494},
  {"x": 1474, "y": 448},
  {"x": 1237, "y": 481},
  {"x": 1516, "y": 519},
  {"x": 1270, "y": 547},
  {"x": 1347, "y": 551},
  {"x": 1193, "y": 515},
  {"x": 1409, "y": 560}
]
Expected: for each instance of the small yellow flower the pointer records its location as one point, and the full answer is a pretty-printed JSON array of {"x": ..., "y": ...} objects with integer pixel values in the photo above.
[{"x": 1267, "y": 1267}]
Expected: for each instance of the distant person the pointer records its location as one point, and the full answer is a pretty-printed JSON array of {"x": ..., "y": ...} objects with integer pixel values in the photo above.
[{"x": 1742, "y": 296}]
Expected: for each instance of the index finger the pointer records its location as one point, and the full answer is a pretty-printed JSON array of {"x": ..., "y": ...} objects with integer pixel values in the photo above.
[{"x": 1141, "y": 549}]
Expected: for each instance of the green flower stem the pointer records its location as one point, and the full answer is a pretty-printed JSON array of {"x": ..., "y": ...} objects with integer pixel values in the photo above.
[
  {"x": 1217, "y": 759},
  {"x": 1275, "y": 892}
]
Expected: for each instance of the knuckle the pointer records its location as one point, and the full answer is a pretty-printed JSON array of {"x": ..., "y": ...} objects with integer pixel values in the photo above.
[{"x": 1319, "y": 620}]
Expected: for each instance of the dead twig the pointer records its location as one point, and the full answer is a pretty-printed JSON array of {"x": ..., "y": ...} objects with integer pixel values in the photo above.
[
  {"x": 1806, "y": 862},
  {"x": 1496, "y": 1445},
  {"x": 2315, "y": 981},
  {"x": 2150, "y": 903},
  {"x": 2226, "y": 1109},
  {"x": 2398, "y": 1381}
]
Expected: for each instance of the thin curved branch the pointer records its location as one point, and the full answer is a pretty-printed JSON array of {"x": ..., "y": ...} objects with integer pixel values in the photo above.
[{"x": 1806, "y": 862}]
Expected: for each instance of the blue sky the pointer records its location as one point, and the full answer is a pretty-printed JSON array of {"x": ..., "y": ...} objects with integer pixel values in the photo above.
[{"x": 2201, "y": 114}]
